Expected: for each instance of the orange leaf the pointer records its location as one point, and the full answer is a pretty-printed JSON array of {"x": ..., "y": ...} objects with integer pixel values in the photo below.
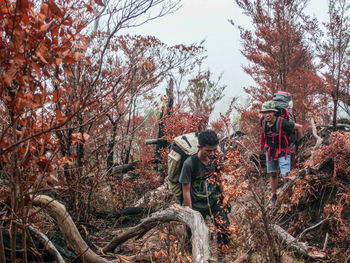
[
  {"x": 54, "y": 31},
  {"x": 28, "y": 96},
  {"x": 58, "y": 114},
  {"x": 37, "y": 101},
  {"x": 60, "y": 117},
  {"x": 58, "y": 61},
  {"x": 89, "y": 8},
  {"x": 189, "y": 259},
  {"x": 99, "y": 2},
  {"x": 10, "y": 74},
  {"x": 77, "y": 136},
  {"x": 4, "y": 144},
  {"x": 45, "y": 27},
  {"x": 19, "y": 59},
  {"x": 69, "y": 60},
  {"x": 37, "y": 69},
  {"x": 68, "y": 71},
  {"x": 22, "y": 5},
  {"x": 25, "y": 18},
  {"x": 78, "y": 55},
  {"x": 39, "y": 55},
  {"x": 44, "y": 9},
  {"x": 56, "y": 96},
  {"x": 86, "y": 136}
]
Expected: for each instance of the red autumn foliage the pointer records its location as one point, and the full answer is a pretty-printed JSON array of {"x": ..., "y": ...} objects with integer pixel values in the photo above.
[{"x": 280, "y": 57}]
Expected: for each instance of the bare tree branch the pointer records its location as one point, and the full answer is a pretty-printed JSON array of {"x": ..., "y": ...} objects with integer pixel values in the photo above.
[
  {"x": 47, "y": 244},
  {"x": 314, "y": 133}
]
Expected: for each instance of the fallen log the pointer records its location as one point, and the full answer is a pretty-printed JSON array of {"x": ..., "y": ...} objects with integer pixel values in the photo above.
[
  {"x": 152, "y": 198},
  {"x": 301, "y": 247},
  {"x": 200, "y": 232},
  {"x": 68, "y": 229}
]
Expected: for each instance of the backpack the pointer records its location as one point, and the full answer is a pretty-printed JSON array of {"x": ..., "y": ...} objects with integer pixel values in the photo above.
[
  {"x": 284, "y": 104},
  {"x": 183, "y": 146}
]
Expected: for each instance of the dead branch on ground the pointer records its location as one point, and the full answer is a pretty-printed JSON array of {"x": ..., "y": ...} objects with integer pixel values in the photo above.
[
  {"x": 200, "y": 232},
  {"x": 301, "y": 247},
  {"x": 68, "y": 228}
]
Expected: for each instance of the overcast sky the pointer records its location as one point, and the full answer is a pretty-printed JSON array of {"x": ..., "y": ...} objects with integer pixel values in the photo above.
[{"x": 208, "y": 19}]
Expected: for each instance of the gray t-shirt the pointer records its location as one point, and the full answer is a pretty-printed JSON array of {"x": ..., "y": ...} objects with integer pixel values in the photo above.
[{"x": 203, "y": 183}]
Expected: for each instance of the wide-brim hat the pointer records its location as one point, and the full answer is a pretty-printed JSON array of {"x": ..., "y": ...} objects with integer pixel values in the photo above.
[{"x": 268, "y": 106}]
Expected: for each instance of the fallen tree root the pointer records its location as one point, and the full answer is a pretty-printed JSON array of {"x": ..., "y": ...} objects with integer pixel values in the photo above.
[
  {"x": 68, "y": 229},
  {"x": 200, "y": 232},
  {"x": 301, "y": 247}
]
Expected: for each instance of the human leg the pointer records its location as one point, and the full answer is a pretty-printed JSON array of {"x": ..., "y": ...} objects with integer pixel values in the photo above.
[
  {"x": 222, "y": 223},
  {"x": 285, "y": 165},
  {"x": 285, "y": 168},
  {"x": 274, "y": 183},
  {"x": 273, "y": 169}
]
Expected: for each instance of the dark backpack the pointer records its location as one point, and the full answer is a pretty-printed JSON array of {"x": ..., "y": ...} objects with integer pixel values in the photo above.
[{"x": 284, "y": 104}]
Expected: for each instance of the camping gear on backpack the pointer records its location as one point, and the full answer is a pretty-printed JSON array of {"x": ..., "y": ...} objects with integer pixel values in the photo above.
[
  {"x": 282, "y": 104},
  {"x": 183, "y": 146}
]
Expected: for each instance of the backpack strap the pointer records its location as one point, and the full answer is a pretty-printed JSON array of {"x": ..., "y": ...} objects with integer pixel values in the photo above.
[
  {"x": 281, "y": 135},
  {"x": 288, "y": 149},
  {"x": 263, "y": 135},
  {"x": 264, "y": 139},
  {"x": 279, "y": 130},
  {"x": 195, "y": 162},
  {"x": 287, "y": 114}
]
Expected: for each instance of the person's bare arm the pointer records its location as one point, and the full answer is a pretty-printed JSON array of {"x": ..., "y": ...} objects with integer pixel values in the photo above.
[
  {"x": 187, "y": 195},
  {"x": 299, "y": 128}
]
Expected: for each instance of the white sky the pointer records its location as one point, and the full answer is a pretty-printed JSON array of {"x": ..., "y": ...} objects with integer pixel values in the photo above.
[{"x": 208, "y": 19}]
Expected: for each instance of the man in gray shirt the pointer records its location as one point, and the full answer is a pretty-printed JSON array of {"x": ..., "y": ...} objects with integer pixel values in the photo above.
[{"x": 202, "y": 188}]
